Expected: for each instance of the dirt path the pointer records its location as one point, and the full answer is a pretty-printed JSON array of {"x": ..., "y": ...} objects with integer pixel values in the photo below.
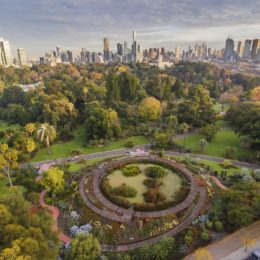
[
  {"x": 55, "y": 213},
  {"x": 219, "y": 183}
]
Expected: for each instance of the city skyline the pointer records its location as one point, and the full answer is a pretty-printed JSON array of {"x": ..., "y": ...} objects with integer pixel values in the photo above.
[{"x": 86, "y": 23}]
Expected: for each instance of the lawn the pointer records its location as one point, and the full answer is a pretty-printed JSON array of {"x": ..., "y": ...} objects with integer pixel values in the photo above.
[
  {"x": 218, "y": 107},
  {"x": 5, "y": 189},
  {"x": 226, "y": 137},
  {"x": 60, "y": 150}
]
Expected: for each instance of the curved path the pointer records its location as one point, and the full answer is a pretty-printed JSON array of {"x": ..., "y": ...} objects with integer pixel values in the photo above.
[
  {"x": 219, "y": 183},
  {"x": 55, "y": 214},
  {"x": 99, "y": 173}
]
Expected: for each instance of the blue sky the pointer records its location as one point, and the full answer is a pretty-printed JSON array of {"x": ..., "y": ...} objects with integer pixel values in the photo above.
[{"x": 40, "y": 25}]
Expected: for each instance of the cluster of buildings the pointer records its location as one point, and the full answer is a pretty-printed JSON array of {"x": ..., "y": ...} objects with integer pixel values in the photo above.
[
  {"x": 6, "y": 57},
  {"x": 247, "y": 51}
]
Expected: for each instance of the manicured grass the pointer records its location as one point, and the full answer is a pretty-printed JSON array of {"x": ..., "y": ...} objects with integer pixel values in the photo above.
[
  {"x": 65, "y": 149},
  {"x": 226, "y": 137},
  {"x": 217, "y": 167},
  {"x": 5, "y": 189}
]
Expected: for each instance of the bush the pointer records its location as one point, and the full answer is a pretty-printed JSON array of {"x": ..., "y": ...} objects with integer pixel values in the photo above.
[
  {"x": 205, "y": 236},
  {"x": 130, "y": 170},
  {"x": 153, "y": 196},
  {"x": 76, "y": 152},
  {"x": 2, "y": 134},
  {"x": 129, "y": 144},
  {"x": 209, "y": 224},
  {"x": 256, "y": 174},
  {"x": 125, "y": 191},
  {"x": 155, "y": 172},
  {"x": 218, "y": 226},
  {"x": 230, "y": 152},
  {"x": 152, "y": 183},
  {"x": 226, "y": 164}
]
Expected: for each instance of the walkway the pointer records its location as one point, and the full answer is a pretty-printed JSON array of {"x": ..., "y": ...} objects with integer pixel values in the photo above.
[
  {"x": 232, "y": 247},
  {"x": 55, "y": 214},
  {"x": 219, "y": 183}
]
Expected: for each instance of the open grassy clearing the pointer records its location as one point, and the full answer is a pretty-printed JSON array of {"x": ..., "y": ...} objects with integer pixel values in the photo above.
[
  {"x": 218, "y": 107},
  {"x": 66, "y": 149},
  {"x": 226, "y": 137}
]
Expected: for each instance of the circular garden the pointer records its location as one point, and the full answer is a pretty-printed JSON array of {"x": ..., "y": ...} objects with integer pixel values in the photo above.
[{"x": 145, "y": 186}]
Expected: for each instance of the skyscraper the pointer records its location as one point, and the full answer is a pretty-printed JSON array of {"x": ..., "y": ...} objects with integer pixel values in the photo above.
[
  {"x": 177, "y": 52},
  {"x": 6, "y": 57},
  {"x": 240, "y": 49},
  {"x": 229, "y": 54},
  {"x": 247, "y": 48},
  {"x": 106, "y": 49},
  {"x": 22, "y": 57},
  {"x": 255, "y": 47},
  {"x": 120, "y": 49},
  {"x": 134, "y": 36}
]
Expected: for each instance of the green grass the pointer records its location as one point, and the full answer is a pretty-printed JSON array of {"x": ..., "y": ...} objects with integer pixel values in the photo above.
[
  {"x": 60, "y": 150},
  {"x": 218, "y": 107},
  {"x": 226, "y": 137},
  {"x": 6, "y": 190}
]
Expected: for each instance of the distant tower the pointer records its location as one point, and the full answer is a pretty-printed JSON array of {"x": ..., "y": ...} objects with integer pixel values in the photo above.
[
  {"x": 247, "y": 48},
  {"x": 106, "y": 49},
  {"x": 134, "y": 36},
  {"x": 120, "y": 49},
  {"x": 6, "y": 57},
  {"x": 240, "y": 49},
  {"x": 22, "y": 57},
  {"x": 177, "y": 53},
  {"x": 255, "y": 48},
  {"x": 229, "y": 54}
]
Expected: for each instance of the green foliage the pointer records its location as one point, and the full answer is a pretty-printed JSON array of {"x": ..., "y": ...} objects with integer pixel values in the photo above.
[
  {"x": 131, "y": 170},
  {"x": 129, "y": 144},
  {"x": 218, "y": 225},
  {"x": 152, "y": 183},
  {"x": 205, "y": 236},
  {"x": 153, "y": 196},
  {"x": 150, "y": 109},
  {"x": 155, "y": 172},
  {"x": 209, "y": 131},
  {"x": 53, "y": 180},
  {"x": 84, "y": 247},
  {"x": 226, "y": 164},
  {"x": 125, "y": 191}
]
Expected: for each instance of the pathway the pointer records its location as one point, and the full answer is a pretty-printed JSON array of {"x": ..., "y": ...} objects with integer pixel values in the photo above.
[
  {"x": 232, "y": 247},
  {"x": 219, "y": 183},
  {"x": 55, "y": 213}
]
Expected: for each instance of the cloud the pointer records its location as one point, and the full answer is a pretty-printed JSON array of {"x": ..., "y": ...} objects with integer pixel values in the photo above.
[{"x": 42, "y": 24}]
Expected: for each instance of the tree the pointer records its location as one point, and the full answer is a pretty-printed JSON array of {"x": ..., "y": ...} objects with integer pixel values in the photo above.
[
  {"x": 53, "y": 180},
  {"x": 30, "y": 146},
  {"x": 30, "y": 128},
  {"x": 8, "y": 160},
  {"x": 47, "y": 134},
  {"x": 202, "y": 144},
  {"x": 184, "y": 128},
  {"x": 209, "y": 131},
  {"x": 150, "y": 109},
  {"x": 84, "y": 247},
  {"x": 5, "y": 216}
]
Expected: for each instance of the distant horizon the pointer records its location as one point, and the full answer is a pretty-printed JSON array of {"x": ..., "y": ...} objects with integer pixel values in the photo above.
[{"x": 39, "y": 26}]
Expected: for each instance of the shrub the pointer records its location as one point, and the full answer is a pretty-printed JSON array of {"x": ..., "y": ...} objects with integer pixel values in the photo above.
[
  {"x": 209, "y": 224},
  {"x": 130, "y": 170},
  {"x": 129, "y": 144},
  {"x": 76, "y": 152},
  {"x": 153, "y": 196},
  {"x": 218, "y": 226},
  {"x": 205, "y": 236},
  {"x": 2, "y": 134},
  {"x": 226, "y": 164},
  {"x": 33, "y": 197},
  {"x": 152, "y": 183},
  {"x": 155, "y": 172},
  {"x": 125, "y": 191},
  {"x": 230, "y": 152},
  {"x": 257, "y": 174}
]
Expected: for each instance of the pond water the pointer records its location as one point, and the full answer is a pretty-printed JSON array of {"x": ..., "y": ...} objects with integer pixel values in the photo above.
[{"x": 172, "y": 182}]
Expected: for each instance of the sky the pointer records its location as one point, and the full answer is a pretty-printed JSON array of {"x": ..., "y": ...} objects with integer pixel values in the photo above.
[{"x": 41, "y": 25}]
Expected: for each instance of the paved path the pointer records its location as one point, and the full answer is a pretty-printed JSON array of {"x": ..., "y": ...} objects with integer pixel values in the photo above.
[
  {"x": 232, "y": 247},
  {"x": 55, "y": 213},
  {"x": 214, "y": 159},
  {"x": 219, "y": 183}
]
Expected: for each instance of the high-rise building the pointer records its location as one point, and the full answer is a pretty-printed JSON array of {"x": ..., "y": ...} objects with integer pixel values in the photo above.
[
  {"x": 240, "y": 49},
  {"x": 22, "y": 57},
  {"x": 106, "y": 49},
  {"x": 229, "y": 54},
  {"x": 134, "y": 36},
  {"x": 247, "y": 48},
  {"x": 58, "y": 49},
  {"x": 120, "y": 49},
  {"x": 255, "y": 48},
  {"x": 177, "y": 53},
  {"x": 6, "y": 57},
  {"x": 70, "y": 56},
  {"x": 83, "y": 55}
]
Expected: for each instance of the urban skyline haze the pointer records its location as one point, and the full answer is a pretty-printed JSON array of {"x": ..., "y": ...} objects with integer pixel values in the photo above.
[{"x": 40, "y": 25}]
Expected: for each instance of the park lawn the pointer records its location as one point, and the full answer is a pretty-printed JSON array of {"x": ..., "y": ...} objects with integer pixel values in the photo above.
[
  {"x": 217, "y": 167},
  {"x": 5, "y": 189},
  {"x": 226, "y": 137},
  {"x": 218, "y": 107},
  {"x": 60, "y": 150}
]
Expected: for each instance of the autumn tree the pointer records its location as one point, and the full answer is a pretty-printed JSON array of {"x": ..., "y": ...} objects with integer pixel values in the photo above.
[
  {"x": 53, "y": 180},
  {"x": 150, "y": 109}
]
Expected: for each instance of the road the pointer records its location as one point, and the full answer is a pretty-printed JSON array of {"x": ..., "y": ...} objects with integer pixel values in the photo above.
[{"x": 125, "y": 151}]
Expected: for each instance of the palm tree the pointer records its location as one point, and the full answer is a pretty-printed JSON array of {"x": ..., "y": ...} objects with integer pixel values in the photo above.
[
  {"x": 47, "y": 134},
  {"x": 202, "y": 144},
  {"x": 184, "y": 129}
]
